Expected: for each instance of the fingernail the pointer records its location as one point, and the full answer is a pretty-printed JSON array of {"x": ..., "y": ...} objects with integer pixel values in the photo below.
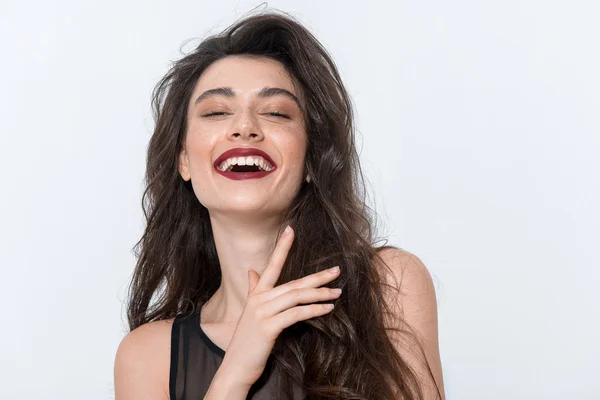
[
  {"x": 328, "y": 306},
  {"x": 334, "y": 270},
  {"x": 288, "y": 230}
]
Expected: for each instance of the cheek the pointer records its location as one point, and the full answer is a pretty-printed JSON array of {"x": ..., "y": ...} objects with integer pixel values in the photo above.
[
  {"x": 300, "y": 153},
  {"x": 199, "y": 148},
  {"x": 295, "y": 148}
]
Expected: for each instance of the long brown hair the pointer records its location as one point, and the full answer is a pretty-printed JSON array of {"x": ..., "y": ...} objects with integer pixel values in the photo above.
[{"x": 346, "y": 354}]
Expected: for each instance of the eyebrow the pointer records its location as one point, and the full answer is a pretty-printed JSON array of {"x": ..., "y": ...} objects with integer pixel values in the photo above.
[{"x": 264, "y": 93}]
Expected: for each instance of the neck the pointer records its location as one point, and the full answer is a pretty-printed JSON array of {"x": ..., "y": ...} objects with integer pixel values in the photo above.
[{"x": 241, "y": 245}]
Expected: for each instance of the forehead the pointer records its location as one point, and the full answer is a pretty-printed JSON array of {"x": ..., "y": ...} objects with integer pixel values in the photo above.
[{"x": 245, "y": 74}]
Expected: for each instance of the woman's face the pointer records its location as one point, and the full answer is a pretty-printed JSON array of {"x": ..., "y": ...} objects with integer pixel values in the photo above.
[{"x": 246, "y": 105}]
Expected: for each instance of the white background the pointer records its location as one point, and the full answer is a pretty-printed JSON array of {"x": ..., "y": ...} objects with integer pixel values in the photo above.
[{"x": 479, "y": 130}]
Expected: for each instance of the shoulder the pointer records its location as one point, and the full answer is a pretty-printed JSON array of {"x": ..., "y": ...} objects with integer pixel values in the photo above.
[
  {"x": 142, "y": 362},
  {"x": 410, "y": 295},
  {"x": 407, "y": 273},
  {"x": 408, "y": 291}
]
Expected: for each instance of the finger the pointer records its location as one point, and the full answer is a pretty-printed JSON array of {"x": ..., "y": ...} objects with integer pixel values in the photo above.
[
  {"x": 310, "y": 281},
  {"x": 276, "y": 260},
  {"x": 300, "y": 313},
  {"x": 298, "y": 296},
  {"x": 252, "y": 280}
]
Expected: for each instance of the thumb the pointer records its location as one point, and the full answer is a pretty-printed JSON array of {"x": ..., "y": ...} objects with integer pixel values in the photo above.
[{"x": 252, "y": 280}]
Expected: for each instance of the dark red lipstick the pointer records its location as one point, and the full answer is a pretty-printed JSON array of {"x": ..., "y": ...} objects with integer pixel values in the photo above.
[{"x": 243, "y": 152}]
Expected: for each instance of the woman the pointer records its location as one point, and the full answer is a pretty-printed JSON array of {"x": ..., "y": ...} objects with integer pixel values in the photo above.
[{"x": 254, "y": 133}]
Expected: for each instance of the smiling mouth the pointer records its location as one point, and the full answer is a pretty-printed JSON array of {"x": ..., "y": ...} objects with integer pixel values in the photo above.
[
  {"x": 242, "y": 172},
  {"x": 244, "y": 163}
]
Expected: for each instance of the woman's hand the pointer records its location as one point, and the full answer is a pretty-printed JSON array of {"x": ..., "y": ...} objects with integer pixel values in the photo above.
[{"x": 269, "y": 310}]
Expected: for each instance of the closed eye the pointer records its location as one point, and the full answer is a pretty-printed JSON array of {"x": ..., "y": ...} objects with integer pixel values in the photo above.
[
  {"x": 214, "y": 113},
  {"x": 276, "y": 114}
]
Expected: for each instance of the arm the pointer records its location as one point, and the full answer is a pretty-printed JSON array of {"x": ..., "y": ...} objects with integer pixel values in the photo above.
[
  {"x": 416, "y": 305},
  {"x": 225, "y": 386},
  {"x": 142, "y": 363},
  {"x": 142, "y": 367}
]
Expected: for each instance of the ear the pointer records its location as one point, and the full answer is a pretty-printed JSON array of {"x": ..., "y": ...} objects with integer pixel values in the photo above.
[{"x": 184, "y": 166}]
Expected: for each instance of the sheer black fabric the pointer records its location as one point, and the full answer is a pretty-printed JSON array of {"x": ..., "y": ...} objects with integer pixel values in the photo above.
[{"x": 195, "y": 360}]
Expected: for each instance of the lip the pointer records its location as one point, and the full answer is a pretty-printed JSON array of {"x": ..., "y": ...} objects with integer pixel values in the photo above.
[{"x": 243, "y": 152}]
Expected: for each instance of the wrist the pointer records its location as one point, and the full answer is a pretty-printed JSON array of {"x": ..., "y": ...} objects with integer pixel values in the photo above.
[{"x": 228, "y": 379}]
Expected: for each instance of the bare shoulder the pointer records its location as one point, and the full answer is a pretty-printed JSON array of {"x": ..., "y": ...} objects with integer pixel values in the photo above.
[
  {"x": 406, "y": 272},
  {"x": 412, "y": 301},
  {"x": 142, "y": 362}
]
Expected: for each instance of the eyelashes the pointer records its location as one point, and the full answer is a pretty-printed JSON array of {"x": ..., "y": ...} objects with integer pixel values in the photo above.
[
  {"x": 278, "y": 114},
  {"x": 221, "y": 113},
  {"x": 214, "y": 114}
]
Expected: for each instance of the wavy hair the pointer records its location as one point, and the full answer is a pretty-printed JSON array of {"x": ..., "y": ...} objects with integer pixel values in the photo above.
[{"x": 346, "y": 354}]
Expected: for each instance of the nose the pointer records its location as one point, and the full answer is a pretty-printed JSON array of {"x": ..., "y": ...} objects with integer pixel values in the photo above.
[{"x": 245, "y": 127}]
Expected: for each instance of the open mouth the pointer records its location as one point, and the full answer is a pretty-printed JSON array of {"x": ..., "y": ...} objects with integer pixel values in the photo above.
[
  {"x": 244, "y": 168},
  {"x": 244, "y": 163},
  {"x": 239, "y": 172}
]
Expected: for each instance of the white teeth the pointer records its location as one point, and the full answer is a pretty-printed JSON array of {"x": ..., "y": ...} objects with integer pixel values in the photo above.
[{"x": 249, "y": 160}]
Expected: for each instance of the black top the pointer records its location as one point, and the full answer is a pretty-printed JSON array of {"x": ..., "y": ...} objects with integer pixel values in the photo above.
[{"x": 195, "y": 360}]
